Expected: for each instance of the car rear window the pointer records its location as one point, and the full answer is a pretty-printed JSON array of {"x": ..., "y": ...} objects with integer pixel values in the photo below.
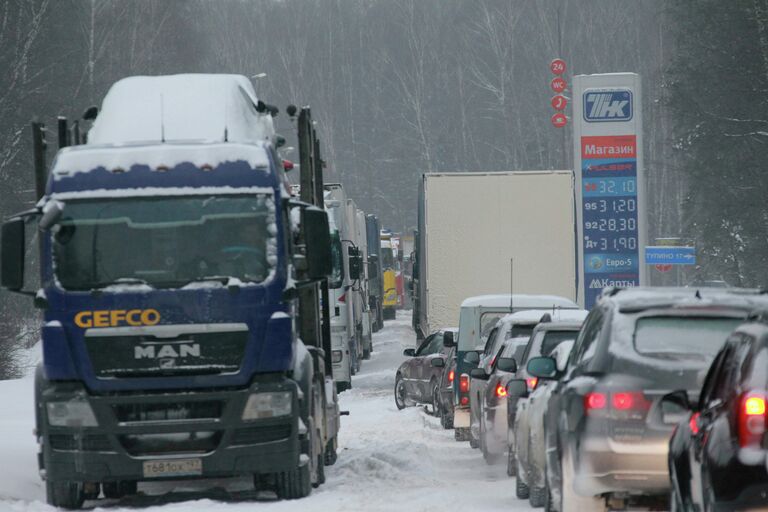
[
  {"x": 689, "y": 336},
  {"x": 553, "y": 338}
]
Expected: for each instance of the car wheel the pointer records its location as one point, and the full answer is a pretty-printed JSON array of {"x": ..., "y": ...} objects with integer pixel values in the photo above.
[
  {"x": 400, "y": 393},
  {"x": 446, "y": 419},
  {"x": 435, "y": 398},
  {"x": 511, "y": 462},
  {"x": 572, "y": 501}
]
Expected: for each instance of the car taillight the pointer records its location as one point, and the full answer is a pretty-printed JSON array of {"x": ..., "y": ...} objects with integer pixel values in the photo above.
[
  {"x": 343, "y": 298},
  {"x": 595, "y": 401},
  {"x": 451, "y": 375},
  {"x": 501, "y": 391},
  {"x": 693, "y": 423},
  {"x": 464, "y": 383},
  {"x": 752, "y": 419},
  {"x": 464, "y": 400},
  {"x": 531, "y": 383}
]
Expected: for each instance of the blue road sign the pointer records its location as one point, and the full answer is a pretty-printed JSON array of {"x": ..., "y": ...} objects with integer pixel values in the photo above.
[{"x": 668, "y": 255}]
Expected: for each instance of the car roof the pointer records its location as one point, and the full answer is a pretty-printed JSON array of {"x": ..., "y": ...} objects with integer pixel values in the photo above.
[
  {"x": 558, "y": 326},
  {"x": 639, "y": 298},
  {"x": 518, "y": 301}
]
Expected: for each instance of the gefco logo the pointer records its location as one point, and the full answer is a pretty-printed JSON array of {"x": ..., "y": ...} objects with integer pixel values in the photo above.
[
  {"x": 117, "y": 317},
  {"x": 607, "y": 106}
]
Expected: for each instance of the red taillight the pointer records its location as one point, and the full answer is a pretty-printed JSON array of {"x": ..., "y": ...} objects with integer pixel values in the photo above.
[
  {"x": 451, "y": 375},
  {"x": 622, "y": 401},
  {"x": 693, "y": 423},
  {"x": 531, "y": 382},
  {"x": 752, "y": 419},
  {"x": 501, "y": 391},
  {"x": 464, "y": 400},
  {"x": 594, "y": 401},
  {"x": 343, "y": 298},
  {"x": 464, "y": 383}
]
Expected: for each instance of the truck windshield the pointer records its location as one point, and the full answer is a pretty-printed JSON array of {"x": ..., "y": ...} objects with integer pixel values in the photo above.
[{"x": 165, "y": 242}]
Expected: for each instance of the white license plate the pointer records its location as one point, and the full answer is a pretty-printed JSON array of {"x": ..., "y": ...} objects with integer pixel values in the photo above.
[{"x": 173, "y": 467}]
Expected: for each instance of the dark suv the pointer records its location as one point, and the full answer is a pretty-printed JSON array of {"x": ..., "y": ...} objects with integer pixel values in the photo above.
[
  {"x": 607, "y": 438},
  {"x": 719, "y": 451}
]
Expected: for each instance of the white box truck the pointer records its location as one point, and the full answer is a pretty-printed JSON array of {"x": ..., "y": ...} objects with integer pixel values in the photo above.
[{"x": 473, "y": 224}]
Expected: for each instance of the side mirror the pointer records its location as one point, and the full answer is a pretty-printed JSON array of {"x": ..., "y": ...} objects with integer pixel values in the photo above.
[
  {"x": 448, "y": 340},
  {"x": 355, "y": 263},
  {"x": 52, "y": 212},
  {"x": 517, "y": 388},
  {"x": 12, "y": 255},
  {"x": 314, "y": 223},
  {"x": 409, "y": 352},
  {"x": 507, "y": 364},
  {"x": 479, "y": 373},
  {"x": 472, "y": 357},
  {"x": 437, "y": 362},
  {"x": 542, "y": 367}
]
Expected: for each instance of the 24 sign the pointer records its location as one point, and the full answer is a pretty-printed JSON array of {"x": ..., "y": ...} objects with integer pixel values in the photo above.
[{"x": 558, "y": 67}]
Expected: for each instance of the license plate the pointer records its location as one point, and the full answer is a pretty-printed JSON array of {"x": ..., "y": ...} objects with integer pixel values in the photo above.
[{"x": 173, "y": 467}]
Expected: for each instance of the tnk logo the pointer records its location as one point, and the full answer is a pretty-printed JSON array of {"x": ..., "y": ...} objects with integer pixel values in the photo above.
[{"x": 608, "y": 106}]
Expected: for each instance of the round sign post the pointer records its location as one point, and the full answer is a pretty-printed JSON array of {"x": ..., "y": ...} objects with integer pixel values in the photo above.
[
  {"x": 558, "y": 84},
  {"x": 558, "y": 67},
  {"x": 559, "y": 102},
  {"x": 663, "y": 267},
  {"x": 559, "y": 120}
]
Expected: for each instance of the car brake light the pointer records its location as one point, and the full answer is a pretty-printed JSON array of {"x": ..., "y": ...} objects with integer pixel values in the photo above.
[
  {"x": 531, "y": 382},
  {"x": 501, "y": 391},
  {"x": 693, "y": 423},
  {"x": 464, "y": 383},
  {"x": 343, "y": 298},
  {"x": 464, "y": 400},
  {"x": 594, "y": 401},
  {"x": 622, "y": 401},
  {"x": 451, "y": 375},
  {"x": 752, "y": 419}
]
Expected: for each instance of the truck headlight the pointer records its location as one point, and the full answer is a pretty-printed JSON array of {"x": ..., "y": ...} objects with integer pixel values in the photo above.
[
  {"x": 336, "y": 356},
  {"x": 72, "y": 413},
  {"x": 268, "y": 405}
]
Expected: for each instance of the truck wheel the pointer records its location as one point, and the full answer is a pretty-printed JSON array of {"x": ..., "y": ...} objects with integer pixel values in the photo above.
[
  {"x": 320, "y": 471},
  {"x": 511, "y": 463},
  {"x": 293, "y": 484},
  {"x": 67, "y": 495},
  {"x": 117, "y": 490},
  {"x": 400, "y": 393},
  {"x": 521, "y": 489},
  {"x": 537, "y": 496},
  {"x": 366, "y": 353},
  {"x": 549, "y": 504},
  {"x": 330, "y": 456}
]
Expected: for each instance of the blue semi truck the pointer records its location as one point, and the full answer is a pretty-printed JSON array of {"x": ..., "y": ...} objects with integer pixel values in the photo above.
[{"x": 177, "y": 280}]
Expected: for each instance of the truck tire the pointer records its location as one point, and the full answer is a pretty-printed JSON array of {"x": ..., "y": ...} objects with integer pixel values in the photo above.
[
  {"x": 320, "y": 471},
  {"x": 330, "y": 455},
  {"x": 68, "y": 495},
  {"x": 511, "y": 462},
  {"x": 366, "y": 353},
  {"x": 117, "y": 490},
  {"x": 537, "y": 496},
  {"x": 293, "y": 484}
]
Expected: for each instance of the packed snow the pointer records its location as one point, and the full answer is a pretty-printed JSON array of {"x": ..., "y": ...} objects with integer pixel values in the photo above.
[{"x": 388, "y": 459}]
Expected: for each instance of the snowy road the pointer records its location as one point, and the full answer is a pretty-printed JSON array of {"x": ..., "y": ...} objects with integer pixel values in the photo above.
[{"x": 388, "y": 459}]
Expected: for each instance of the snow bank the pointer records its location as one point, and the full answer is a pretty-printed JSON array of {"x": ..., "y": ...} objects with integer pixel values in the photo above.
[{"x": 189, "y": 107}]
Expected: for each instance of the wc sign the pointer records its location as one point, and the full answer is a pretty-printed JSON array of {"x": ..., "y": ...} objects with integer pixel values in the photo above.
[{"x": 607, "y": 106}]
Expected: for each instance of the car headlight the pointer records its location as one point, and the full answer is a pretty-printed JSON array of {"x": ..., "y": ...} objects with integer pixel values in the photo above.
[
  {"x": 268, "y": 405},
  {"x": 336, "y": 356},
  {"x": 72, "y": 413}
]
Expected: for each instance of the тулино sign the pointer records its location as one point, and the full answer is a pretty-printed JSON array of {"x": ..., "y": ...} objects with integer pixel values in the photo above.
[{"x": 608, "y": 166}]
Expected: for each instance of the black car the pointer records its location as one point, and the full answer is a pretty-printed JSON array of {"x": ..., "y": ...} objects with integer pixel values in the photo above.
[
  {"x": 719, "y": 452},
  {"x": 417, "y": 380},
  {"x": 606, "y": 436}
]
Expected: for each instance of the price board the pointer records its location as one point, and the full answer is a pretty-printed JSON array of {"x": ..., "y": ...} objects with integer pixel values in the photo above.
[{"x": 608, "y": 162}]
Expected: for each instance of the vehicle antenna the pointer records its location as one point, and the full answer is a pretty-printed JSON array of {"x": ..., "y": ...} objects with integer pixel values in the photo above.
[{"x": 162, "y": 120}]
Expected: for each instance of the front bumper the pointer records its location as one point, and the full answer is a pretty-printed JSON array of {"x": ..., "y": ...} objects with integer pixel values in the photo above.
[
  {"x": 605, "y": 465},
  {"x": 117, "y": 449}
]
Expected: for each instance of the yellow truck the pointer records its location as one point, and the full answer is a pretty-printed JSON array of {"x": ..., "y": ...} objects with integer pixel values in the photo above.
[{"x": 389, "y": 270}]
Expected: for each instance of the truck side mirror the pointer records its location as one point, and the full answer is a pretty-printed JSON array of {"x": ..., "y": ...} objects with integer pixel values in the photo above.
[
  {"x": 317, "y": 238},
  {"x": 355, "y": 263},
  {"x": 12, "y": 255}
]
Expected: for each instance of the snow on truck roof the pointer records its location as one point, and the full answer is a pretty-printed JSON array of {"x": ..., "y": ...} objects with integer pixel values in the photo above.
[
  {"x": 533, "y": 316},
  {"x": 76, "y": 159},
  {"x": 519, "y": 301},
  {"x": 187, "y": 107}
]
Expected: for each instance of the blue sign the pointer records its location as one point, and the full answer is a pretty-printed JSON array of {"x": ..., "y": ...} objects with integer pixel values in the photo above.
[
  {"x": 607, "y": 106},
  {"x": 667, "y": 255}
]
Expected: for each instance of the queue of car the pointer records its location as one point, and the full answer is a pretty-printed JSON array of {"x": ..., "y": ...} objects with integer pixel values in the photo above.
[{"x": 655, "y": 398}]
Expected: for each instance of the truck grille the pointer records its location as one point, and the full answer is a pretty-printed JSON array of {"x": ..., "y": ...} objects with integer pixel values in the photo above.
[
  {"x": 256, "y": 435},
  {"x": 86, "y": 443},
  {"x": 185, "y": 411},
  {"x": 147, "y": 355},
  {"x": 181, "y": 443}
]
